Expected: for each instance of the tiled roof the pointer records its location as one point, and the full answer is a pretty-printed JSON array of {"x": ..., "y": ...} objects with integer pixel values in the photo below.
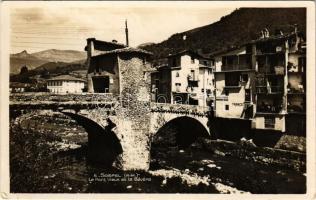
[
  {"x": 189, "y": 51},
  {"x": 267, "y": 39},
  {"x": 102, "y": 43},
  {"x": 122, "y": 50},
  {"x": 19, "y": 85},
  {"x": 65, "y": 78}
]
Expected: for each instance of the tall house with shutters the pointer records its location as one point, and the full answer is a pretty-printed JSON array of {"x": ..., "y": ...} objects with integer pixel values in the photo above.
[
  {"x": 185, "y": 77},
  {"x": 264, "y": 82}
]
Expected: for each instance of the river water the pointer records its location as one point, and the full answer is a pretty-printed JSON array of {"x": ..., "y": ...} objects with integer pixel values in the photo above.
[{"x": 63, "y": 166}]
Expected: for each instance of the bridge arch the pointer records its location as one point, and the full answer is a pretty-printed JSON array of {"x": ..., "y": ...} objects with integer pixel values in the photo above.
[
  {"x": 104, "y": 147},
  {"x": 180, "y": 131},
  {"x": 103, "y": 144},
  {"x": 172, "y": 141}
]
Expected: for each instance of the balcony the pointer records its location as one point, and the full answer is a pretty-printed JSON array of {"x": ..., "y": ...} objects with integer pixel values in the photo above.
[
  {"x": 268, "y": 48},
  {"x": 236, "y": 67},
  {"x": 270, "y": 70},
  {"x": 205, "y": 66},
  {"x": 296, "y": 91},
  {"x": 269, "y": 108},
  {"x": 193, "y": 90},
  {"x": 270, "y": 52},
  {"x": 193, "y": 80},
  {"x": 269, "y": 89},
  {"x": 296, "y": 109}
]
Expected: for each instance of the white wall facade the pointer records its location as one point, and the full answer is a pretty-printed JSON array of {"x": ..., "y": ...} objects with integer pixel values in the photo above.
[
  {"x": 259, "y": 122},
  {"x": 230, "y": 101},
  {"x": 65, "y": 86},
  {"x": 200, "y": 73}
]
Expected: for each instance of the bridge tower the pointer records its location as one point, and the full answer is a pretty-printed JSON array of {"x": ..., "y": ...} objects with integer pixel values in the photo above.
[{"x": 122, "y": 71}]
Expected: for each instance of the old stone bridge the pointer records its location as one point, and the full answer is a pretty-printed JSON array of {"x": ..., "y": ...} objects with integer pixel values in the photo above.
[{"x": 120, "y": 131}]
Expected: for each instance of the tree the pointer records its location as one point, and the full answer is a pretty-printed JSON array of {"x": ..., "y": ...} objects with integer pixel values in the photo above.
[
  {"x": 45, "y": 73},
  {"x": 24, "y": 70}
]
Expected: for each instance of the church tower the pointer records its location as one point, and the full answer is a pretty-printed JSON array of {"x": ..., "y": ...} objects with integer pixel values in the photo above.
[{"x": 126, "y": 33}]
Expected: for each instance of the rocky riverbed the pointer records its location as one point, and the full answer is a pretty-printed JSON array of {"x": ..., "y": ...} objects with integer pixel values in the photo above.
[{"x": 48, "y": 154}]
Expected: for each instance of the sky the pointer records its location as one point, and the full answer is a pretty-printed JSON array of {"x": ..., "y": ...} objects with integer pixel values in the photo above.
[{"x": 40, "y": 27}]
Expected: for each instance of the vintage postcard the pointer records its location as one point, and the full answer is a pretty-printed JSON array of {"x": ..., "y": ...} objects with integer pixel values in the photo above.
[{"x": 157, "y": 99}]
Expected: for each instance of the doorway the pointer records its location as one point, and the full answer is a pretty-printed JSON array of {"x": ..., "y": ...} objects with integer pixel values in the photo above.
[{"x": 101, "y": 84}]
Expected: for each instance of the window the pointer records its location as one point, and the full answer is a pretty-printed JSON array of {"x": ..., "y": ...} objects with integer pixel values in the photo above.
[
  {"x": 177, "y": 74},
  {"x": 178, "y": 85},
  {"x": 212, "y": 62},
  {"x": 244, "y": 78},
  {"x": 269, "y": 122},
  {"x": 226, "y": 107},
  {"x": 232, "y": 79},
  {"x": 226, "y": 92},
  {"x": 192, "y": 60},
  {"x": 302, "y": 63},
  {"x": 229, "y": 60},
  {"x": 192, "y": 75},
  {"x": 175, "y": 62},
  {"x": 247, "y": 95},
  {"x": 157, "y": 85}
]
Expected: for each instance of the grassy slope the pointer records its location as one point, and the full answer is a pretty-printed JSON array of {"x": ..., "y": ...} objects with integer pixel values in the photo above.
[{"x": 240, "y": 26}]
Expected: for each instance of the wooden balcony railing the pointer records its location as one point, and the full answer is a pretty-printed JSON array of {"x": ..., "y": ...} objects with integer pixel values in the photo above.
[
  {"x": 235, "y": 67},
  {"x": 269, "y": 89}
]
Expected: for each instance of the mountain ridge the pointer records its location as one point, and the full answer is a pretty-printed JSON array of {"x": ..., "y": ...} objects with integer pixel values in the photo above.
[
  {"x": 238, "y": 27},
  {"x": 34, "y": 60}
]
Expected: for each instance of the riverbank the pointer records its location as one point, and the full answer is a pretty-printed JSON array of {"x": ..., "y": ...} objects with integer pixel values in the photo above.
[
  {"x": 246, "y": 150},
  {"x": 48, "y": 155}
]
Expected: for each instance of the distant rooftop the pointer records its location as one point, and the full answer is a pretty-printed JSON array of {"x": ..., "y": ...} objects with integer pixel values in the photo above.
[
  {"x": 275, "y": 37},
  {"x": 65, "y": 78},
  {"x": 259, "y": 40},
  {"x": 188, "y": 51},
  {"x": 19, "y": 85},
  {"x": 122, "y": 50},
  {"x": 99, "y": 44}
]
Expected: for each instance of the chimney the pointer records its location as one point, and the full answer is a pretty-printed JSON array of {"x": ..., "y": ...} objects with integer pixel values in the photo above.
[
  {"x": 266, "y": 33},
  {"x": 126, "y": 33},
  {"x": 295, "y": 28},
  {"x": 261, "y": 34},
  {"x": 90, "y": 46}
]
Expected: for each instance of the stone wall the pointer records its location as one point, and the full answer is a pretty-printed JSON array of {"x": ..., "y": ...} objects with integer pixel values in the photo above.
[
  {"x": 160, "y": 118},
  {"x": 49, "y": 97},
  {"x": 134, "y": 112}
]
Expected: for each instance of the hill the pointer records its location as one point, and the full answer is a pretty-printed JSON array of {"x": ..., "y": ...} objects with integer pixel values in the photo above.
[
  {"x": 37, "y": 59},
  {"x": 241, "y": 26},
  {"x": 17, "y": 61},
  {"x": 55, "y": 55},
  {"x": 59, "y": 67},
  {"x": 48, "y": 70}
]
